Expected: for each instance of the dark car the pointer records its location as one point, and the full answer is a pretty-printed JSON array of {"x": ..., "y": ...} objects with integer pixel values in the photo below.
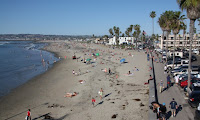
[
  {"x": 193, "y": 87},
  {"x": 194, "y": 58},
  {"x": 194, "y": 99},
  {"x": 177, "y": 58},
  {"x": 197, "y": 115}
]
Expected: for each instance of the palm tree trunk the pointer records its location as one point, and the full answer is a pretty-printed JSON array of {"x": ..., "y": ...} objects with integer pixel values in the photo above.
[
  {"x": 163, "y": 37},
  {"x": 192, "y": 21},
  {"x": 174, "y": 51},
  {"x": 153, "y": 25},
  {"x": 136, "y": 44},
  {"x": 167, "y": 37}
]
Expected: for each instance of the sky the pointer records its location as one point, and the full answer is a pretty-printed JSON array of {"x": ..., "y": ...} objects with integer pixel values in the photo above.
[{"x": 81, "y": 17}]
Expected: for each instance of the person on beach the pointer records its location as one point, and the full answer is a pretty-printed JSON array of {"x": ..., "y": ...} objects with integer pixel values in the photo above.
[
  {"x": 161, "y": 86},
  {"x": 73, "y": 72},
  {"x": 93, "y": 101},
  {"x": 28, "y": 117},
  {"x": 101, "y": 93},
  {"x": 129, "y": 72},
  {"x": 173, "y": 105},
  {"x": 79, "y": 72},
  {"x": 71, "y": 94},
  {"x": 109, "y": 71},
  {"x": 150, "y": 78}
]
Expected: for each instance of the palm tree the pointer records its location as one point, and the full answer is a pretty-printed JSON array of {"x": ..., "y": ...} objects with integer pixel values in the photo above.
[
  {"x": 137, "y": 32},
  {"x": 161, "y": 22},
  {"x": 111, "y": 31},
  {"x": 193, "y": 12},
  {"x": 177, "y": 23},
  {"x": 117, "y": 33},
  {"x": 165, "y": 22},
  {"x": 153, "y": 15}
]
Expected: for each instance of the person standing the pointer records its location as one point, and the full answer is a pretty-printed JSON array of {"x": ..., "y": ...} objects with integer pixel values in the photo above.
[
  {"x": 173, "y": 105},
  {"x": 93, "y": 101},
  {"x": 28, "y": 117},
  {"x": 79, "y": 71},
  {"x": 165, "y": 69},
  {"x": 161, "y": 86},
  {"x": 168, "y": 81}
]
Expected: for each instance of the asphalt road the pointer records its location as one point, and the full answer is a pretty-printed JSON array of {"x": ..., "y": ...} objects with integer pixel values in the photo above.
[{"x": 185, "y": 112}]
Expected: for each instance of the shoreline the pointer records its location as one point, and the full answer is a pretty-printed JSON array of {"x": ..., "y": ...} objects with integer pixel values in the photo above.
[
  {"x": 49, "y": 88},
  {"x": 42, "y": 72}
]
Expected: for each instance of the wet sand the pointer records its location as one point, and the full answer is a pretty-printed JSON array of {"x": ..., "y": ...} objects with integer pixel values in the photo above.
[{"x": 124, "y": 96}]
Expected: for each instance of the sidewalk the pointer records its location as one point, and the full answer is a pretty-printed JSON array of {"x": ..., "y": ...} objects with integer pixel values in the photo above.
[{"x": 174, "y": 91}]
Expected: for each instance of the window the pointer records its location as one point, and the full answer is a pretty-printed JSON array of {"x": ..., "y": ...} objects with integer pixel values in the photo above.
[
  {"x": 164, "y": 43},
  {"x": 165, "y": 38},
  {"x": 171, "y": 38},
  {"x": 180, "y": 43},
  {"x": 188, "y": 38},
  {"x": 188, "y": 42},
  {"x": 171, "y": 42}
]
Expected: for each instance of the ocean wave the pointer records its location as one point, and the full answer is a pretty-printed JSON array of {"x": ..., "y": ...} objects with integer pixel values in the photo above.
[
  {"x": 30, "y": 47},
  {"x": 3, "y": 42}
]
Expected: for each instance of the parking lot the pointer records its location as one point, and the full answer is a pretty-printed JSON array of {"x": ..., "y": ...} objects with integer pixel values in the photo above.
[{"x": 185, "y": 111}]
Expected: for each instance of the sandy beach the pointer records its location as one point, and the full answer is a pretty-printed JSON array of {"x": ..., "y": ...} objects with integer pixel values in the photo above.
[{"x": 124, "y": 96}]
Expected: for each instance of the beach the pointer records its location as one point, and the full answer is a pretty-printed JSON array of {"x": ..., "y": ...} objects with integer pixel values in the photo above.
[{"x": 124, "y": 96}]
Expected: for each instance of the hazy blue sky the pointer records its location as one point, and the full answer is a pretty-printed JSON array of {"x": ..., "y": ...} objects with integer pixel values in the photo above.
[{"x": 80, "y": 17}]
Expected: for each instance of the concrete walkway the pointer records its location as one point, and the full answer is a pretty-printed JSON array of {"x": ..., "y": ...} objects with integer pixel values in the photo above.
[{"x": 184, "y": 111}]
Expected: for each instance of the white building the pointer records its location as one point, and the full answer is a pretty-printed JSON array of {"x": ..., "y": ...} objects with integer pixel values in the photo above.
[
  {"x": 126, "y": 40},
  {"x": 180, "y": 41},
  {"x": 112, "y": 41}
]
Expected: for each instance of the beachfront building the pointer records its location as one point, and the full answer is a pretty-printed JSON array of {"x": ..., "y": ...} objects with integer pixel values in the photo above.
[
  {"x": 112, "y": 41},
  {"x": 126, "y": 40},
  {"x": 181, "y": 41}
]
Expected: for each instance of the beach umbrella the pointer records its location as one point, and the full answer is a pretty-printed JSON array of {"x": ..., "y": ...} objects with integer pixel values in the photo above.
[
  {"x": 122, "y": 60},
  {"x": 97, "y": 54},
  {"x": 88, "y": 59}
]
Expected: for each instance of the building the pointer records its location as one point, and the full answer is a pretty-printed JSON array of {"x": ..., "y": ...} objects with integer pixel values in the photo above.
[
  {"x": 112, "y": 41},
  {"x": 126, "y": 40},
  {"x": 180, "y": 41}
]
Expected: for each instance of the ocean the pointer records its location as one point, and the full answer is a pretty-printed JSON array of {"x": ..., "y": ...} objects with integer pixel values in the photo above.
[{"x": 20, "y": 61}]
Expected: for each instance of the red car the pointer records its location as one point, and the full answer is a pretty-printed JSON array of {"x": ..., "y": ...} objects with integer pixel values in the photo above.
[{"x": 184, "y": 82}]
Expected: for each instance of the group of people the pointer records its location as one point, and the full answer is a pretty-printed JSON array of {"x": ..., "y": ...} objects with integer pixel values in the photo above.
[{"x": 161, "y": 109}]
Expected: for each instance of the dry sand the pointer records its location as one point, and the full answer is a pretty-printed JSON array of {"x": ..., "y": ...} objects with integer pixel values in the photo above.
[{"x": 125, "y": 96}]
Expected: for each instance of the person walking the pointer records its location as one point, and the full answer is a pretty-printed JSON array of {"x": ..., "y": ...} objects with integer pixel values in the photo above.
[
  {"x": 101, "y": 93},
  {"x": 28, "y": 117},
  {"x": 173, "y": 105},
  {"x": 163, "y": 111},
  {"x": 161, "y": 86},
  {"x": 93, "y": 101}
]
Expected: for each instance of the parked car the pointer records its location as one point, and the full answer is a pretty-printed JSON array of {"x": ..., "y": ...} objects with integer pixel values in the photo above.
[
  {"x": 193, "y": 87},
  {"x": 177, "y": 64},
  {"x": 177, "y": 58},
  {"x": 194, "y": 99},
  {"x": 184, "y": 81},
  {"x": 197, "y": 115},
  {"x": 195, "y": 51},
  {"x": 193, "y": 58}
]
